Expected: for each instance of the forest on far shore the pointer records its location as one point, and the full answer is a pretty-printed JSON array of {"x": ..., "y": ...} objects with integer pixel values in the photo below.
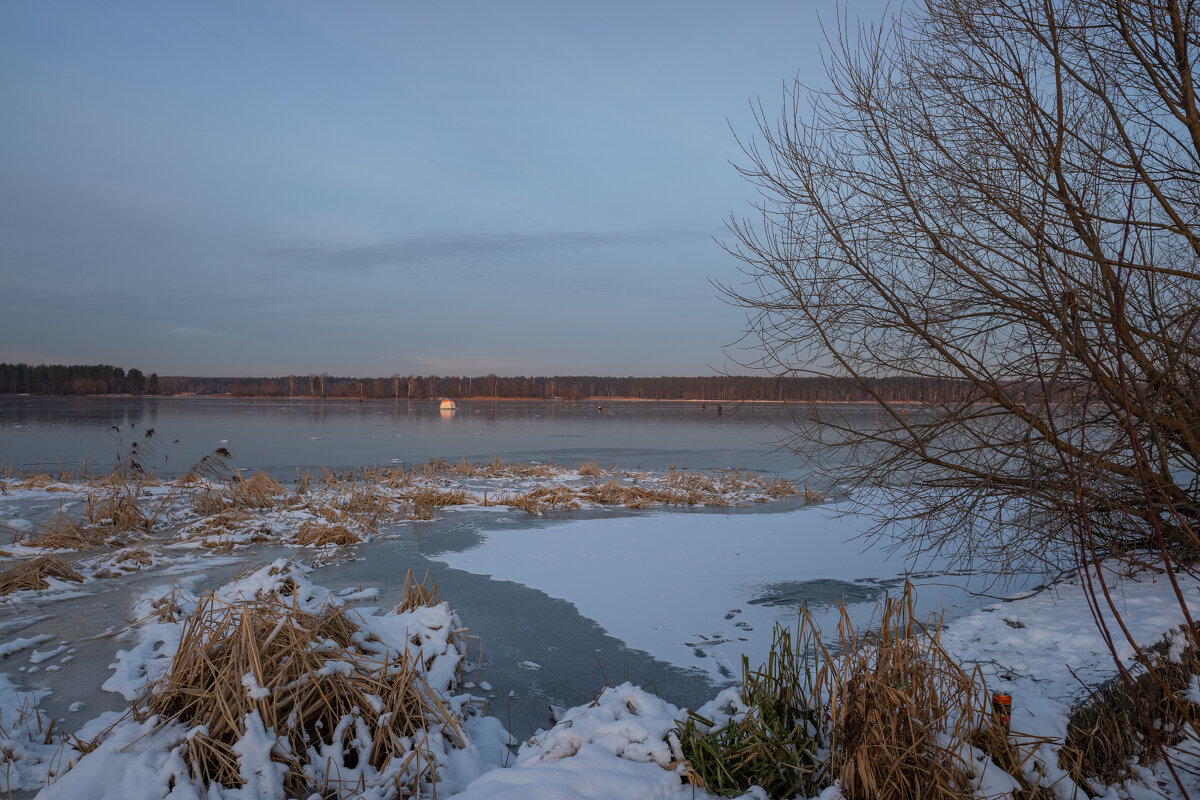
[{"x": 106, "y": 379}]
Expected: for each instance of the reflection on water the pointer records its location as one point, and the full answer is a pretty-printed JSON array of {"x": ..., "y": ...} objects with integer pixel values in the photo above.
[{"x": 283, "y": 435}]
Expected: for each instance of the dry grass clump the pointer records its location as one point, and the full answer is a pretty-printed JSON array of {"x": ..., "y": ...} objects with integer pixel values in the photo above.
[
  {"x": 1122, "y": 722},
  {"x": 1013, "y": 759},
  {"x": 224, "y": 522},
  {"x": 320, "y": 534},
  {"x": 535, "y": 501},
  {"x": 211, "y": 500},
  {"x": 778, "y": 487},
  {"x": 303, "y": 481},
  {"x": 466, "y": 469},
  {"x": 697, "y": 488},
  {"x": 119, "y": 508},
  {"x": 891, "y": 716},
  {"x": 615, "y": 493},
  {"x": 433, "y": 468},
  {"x": 308, "y": 680},
  {"x": 420, "y": 511},
  {"x": 365, "y": 507},
  {"x": 437, "y": 498},
  {"x": 590, "y": 469},
  {"x": 389, "y": 477},
  {"x": 494, "y": 468},
  {"x": 36, "y": 480},
  {"x": 136, "y": 557},
  {"x": 124, "y": 561},
  {"x": 899, "y": 705},
  {"x": 524, "y": 469},
  {"x": 423, "y": 500},
  {"x": 64, "y": 532},
  {"x": 32, "y": 574},
  {"x": 415, "y": 595},
  {"x": 215, "y": 465},
  {"x": 225, "y": 530},
  {"x": 259, "y": 491}
]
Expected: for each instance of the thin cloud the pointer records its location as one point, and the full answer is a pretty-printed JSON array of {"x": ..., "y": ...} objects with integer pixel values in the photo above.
[{"x": 466, "y": 250}]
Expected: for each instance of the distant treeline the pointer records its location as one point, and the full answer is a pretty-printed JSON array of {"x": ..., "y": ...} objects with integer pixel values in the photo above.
[
  {"x": 75, "y": 379},
  {"x": 104, "y": 379}
]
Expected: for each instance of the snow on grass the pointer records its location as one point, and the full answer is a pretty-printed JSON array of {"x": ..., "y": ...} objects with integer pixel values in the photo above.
[
  {"x": 620, "y": 745},
  {"x": 696, "y": 589},
  {"x": 143, "y": 757}
]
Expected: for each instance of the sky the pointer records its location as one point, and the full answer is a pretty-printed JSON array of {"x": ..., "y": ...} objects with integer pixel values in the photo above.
[{"x": 368, "y": 188}]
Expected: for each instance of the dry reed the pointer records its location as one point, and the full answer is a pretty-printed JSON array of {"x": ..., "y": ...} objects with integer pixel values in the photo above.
[
  {"x": 259, "y": 491},
  {"x": 64, "y": 532},
  {"x": 124, "y": 561},
  {"x": 1117, "y": 726},
  {"x": 419, "y": 511},
  {"x": 119, "y": 508},
  {"x": 37, "y": 480},
  {"x": 590, "y": 469},
  {"x": 32, "y": 574},
  {"x": 901, "y": 709},
  {"x": 320, "y": 534},
  {"x": 891, "y": 716},
  {"x": 437, "y": 498},
  {"x": 535, "y": 501},
  {"x": 309, "y": 681},
  {"x": 415, "y": 595}
]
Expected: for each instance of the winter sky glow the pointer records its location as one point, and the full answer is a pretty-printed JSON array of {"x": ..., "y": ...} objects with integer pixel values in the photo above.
[{"x": 367, "y": 188}]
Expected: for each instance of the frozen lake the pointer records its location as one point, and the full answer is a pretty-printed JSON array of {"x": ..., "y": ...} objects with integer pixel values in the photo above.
[
  {"x": 281, "y": 435},
  {"x": 561, "y": 602}
]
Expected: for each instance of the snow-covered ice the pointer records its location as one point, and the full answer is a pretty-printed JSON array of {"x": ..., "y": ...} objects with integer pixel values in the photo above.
[{"x": 702, "y": 589}]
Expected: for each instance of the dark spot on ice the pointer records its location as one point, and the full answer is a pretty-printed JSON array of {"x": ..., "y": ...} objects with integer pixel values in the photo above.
[
  {"x": 699, "y": 653},
  {"x": 733, "y": 612},
  {"x": 817, "y": 592},
  {"x": 746, "y": 626},
  {"x": 725, "y": 673},
  {"x": 1013, "y": 623}
]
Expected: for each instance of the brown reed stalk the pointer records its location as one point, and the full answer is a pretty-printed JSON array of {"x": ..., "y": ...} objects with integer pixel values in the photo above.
[
  {"x": 900, "y": 709},
  {"x": 590, "y": 469},
  {"x": 303, "y": 673},
  {"x": 32, "y": 574},
  {"x": 320, "y": 534}
]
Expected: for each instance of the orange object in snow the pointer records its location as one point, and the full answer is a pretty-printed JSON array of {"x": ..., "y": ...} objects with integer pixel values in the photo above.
[{"x": 1002, "y": 708}]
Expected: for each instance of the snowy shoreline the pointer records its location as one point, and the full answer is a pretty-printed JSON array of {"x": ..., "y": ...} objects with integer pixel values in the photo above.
[{"x": 1038, "y": 648}]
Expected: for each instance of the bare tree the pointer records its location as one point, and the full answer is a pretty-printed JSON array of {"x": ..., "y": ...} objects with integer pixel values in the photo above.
[{"x": 1005, "y": 194}]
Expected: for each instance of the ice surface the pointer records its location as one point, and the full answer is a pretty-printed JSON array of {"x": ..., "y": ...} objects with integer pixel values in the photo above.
[{"x": 701, "y": 589}]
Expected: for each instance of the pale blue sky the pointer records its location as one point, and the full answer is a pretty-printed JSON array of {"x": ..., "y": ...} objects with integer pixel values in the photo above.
[{"x": 363, "y": 188}]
